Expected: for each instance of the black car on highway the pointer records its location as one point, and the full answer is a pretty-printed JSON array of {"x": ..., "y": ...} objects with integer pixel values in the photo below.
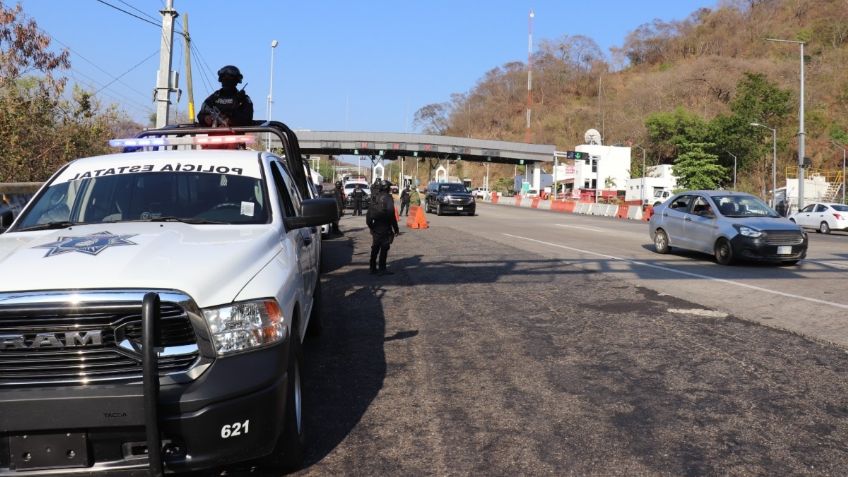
[{"x": 449, "y": 197}]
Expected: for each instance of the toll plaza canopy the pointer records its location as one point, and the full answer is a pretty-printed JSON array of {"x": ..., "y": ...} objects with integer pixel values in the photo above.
[{"x": 394, "y": 145}]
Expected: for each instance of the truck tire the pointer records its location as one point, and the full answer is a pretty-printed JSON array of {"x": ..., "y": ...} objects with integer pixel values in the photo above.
[{"x": 289, "y": 451}]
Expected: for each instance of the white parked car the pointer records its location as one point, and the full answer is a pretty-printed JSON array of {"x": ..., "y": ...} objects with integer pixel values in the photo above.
[
  {"x": 481, "y": 193},
  {"x": 822, "y": 216}
]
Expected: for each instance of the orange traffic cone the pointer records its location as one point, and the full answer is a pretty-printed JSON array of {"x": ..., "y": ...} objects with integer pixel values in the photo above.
[
  {"x": 421, "y": 219},
  {"x": 412, "y": 217}
]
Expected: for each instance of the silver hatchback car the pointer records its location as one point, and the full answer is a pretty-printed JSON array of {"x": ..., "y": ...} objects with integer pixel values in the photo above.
[{"x": 729, "y": 225}]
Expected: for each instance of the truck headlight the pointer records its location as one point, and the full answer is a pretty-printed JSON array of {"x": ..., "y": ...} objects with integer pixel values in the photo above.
[{"x": 245, "y": 325}]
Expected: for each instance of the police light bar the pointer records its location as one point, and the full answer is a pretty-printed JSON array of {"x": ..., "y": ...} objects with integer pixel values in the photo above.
[{"x": 182, "y": 141}]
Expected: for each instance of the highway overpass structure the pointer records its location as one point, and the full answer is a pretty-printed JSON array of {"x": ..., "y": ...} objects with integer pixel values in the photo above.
[{"x": 391, "y": 146}]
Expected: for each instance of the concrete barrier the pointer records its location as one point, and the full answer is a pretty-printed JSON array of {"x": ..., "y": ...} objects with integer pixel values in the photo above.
[
  {"x": 544, "y": 205},
  {"x": 634, "y": 212},
  {"x": 534, "y": 203}
]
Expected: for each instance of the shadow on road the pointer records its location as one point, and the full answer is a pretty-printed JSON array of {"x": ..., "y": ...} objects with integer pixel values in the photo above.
[{"x": 346, "y": 366}]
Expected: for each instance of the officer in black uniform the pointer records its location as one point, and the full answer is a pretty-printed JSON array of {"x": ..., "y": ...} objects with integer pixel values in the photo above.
[
  {"x": 338, "y": 192},
  {"x": 228, "y": 106},
  {"x": 383, "y": 224},
  {"x": 357, "y": 195}
]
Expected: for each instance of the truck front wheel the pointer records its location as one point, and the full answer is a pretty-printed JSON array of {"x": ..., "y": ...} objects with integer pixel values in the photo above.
[{"x": 288, "y": 454}]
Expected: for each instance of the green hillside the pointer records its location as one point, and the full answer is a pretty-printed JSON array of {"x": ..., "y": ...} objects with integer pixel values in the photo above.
[{"x": 700, "y": 80}]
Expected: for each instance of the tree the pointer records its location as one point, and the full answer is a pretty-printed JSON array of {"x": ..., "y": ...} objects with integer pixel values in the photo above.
[
  {"x": 759, "y": 100},
  {"x": 41, "y": 128},
  {"x": 433, "y": 118},
  {"x": 666, "y": 131},
  {"x": 697, "y": 169}
]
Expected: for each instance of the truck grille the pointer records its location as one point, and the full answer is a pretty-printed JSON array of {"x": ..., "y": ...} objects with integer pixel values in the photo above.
[
  {"x": 61, "y": 344},
  {"x": 783, "y": 237}
]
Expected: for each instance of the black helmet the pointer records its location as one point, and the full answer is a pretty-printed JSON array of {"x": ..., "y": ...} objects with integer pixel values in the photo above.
[
  {"x": 230, "y": 71},
  {"x": 387, "y": 185},
  {"x": 339, "y": 184}
]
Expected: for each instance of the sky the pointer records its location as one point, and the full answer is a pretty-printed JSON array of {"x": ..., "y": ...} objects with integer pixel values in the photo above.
[{"x": 340, "y": 65}]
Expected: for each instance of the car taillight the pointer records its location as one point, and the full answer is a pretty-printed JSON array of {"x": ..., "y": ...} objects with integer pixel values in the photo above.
[{"x": 838, "y": 217}]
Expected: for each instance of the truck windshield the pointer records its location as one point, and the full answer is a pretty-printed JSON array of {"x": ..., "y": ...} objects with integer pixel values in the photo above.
[
  {"x": 199, "y": 198},
  {"x": 452, "y": 188}
]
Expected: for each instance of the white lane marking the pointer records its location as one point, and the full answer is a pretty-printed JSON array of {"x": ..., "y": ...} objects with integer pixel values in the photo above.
[
  {"x": 584, "y": 227},
  {"x": 689, "y": 274}
]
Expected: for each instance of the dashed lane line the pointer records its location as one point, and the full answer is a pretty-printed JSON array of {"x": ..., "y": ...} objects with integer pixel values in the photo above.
[
  {"x": 583, "y": 227},
  {"x": 681, "y": 272}
]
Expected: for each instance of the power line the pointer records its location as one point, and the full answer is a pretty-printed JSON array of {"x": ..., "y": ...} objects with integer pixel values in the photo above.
[
  {"x": 139, "y": 11},
  {"x": 128, "y": 71},
  {"x": 157, "y": 25},
  {"x": 92, "y": 63},
  {"x": 129, "y": 13}
]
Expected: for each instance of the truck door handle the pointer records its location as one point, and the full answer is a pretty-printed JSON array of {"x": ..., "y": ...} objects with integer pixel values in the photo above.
[{"x": 687, "y": 219}]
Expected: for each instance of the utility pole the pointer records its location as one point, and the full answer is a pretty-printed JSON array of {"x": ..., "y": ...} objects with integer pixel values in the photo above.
[
  {"x": 527, "y": 136},
  {"x": 189, "y": 86},
  {"x": 163, "y": 77}
]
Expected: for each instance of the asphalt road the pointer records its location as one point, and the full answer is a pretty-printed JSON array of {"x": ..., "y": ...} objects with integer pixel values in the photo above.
[{"x": 524, "y": 342}]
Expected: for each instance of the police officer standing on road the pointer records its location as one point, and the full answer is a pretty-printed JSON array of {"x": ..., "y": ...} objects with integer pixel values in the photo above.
[
  {"x": 383, "y": 224},
  {"x": 228, "y": 106},
  {"x": 404, "y": 201},
  {"x": 357, "y": 195},
  {"x": 338, "y": 192}
]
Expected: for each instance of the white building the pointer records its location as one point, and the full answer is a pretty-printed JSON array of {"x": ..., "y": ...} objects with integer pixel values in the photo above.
[{"x": 610, "y": 170}]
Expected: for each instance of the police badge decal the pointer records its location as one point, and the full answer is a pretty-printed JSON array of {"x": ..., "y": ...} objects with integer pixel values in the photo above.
[{"x": 88, "y": 244}]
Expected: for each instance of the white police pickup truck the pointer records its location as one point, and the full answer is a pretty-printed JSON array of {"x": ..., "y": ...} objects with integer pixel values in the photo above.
[{"x": 152, "y": 309}]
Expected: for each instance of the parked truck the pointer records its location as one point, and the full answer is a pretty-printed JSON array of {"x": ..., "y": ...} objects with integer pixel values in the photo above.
[{"x": 153, "y": 304}]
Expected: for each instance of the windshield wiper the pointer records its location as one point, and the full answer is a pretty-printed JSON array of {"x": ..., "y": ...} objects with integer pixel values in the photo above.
[
  {"x": 185, "y": 220},
  {"x": 60, "y": 224}
]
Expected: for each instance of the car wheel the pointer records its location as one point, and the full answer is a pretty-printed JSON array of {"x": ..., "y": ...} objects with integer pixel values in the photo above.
[
  {"x": 288, "y": 453},
  {"x": 723, "y": 251},
  {"x": 824, "y": 228},
  {"x": 438, "y": 209},
  {"x": 316, "y": 326},
  {"x": 661, "y": 241}
]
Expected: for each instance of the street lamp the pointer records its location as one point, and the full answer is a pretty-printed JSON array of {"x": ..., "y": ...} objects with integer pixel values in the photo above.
[
  {"x": 734, "y": 168},
  {"x": 842, "y": 146},
  {"x": 274, "y": 44},
  {"x": 773, "y": 162},
  {"x": 800, "y": 125}
]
